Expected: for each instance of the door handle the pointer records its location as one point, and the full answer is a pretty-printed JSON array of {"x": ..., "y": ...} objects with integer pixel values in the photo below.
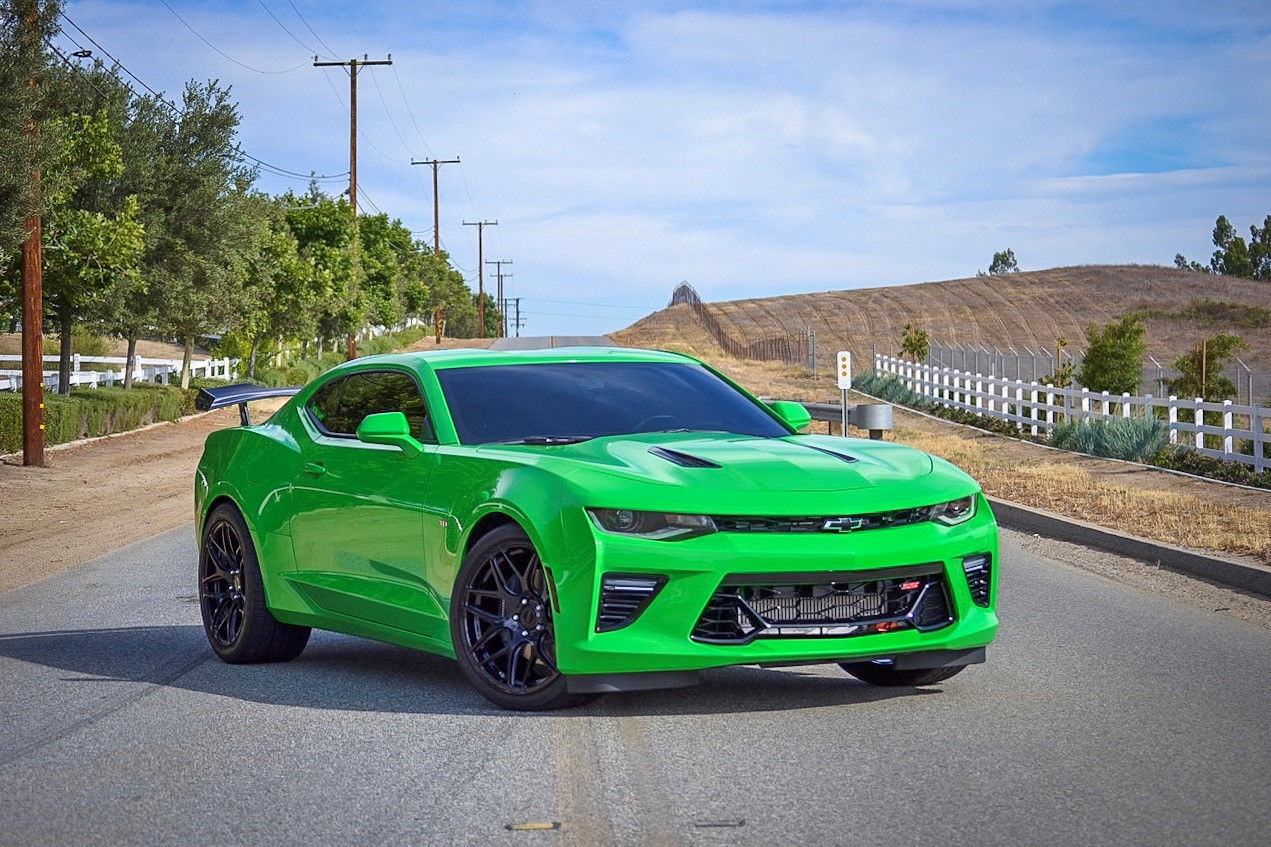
[{"x": 314, "y": 468}]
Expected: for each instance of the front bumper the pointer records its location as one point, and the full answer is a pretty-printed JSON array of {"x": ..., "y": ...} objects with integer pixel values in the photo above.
[{"x": 661, "y": 638}]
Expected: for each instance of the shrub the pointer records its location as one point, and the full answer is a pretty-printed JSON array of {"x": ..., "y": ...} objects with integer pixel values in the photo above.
[
  {"x": 91, "y": 412},
  {"x": 1185, "y": 459},
  {"x": 1133, "y": 439},
  {"x": 889, "y": 387}
]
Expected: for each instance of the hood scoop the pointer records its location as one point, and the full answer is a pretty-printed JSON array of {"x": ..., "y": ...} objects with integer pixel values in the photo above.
[
  {"x": 684, "y": 460},
  {"x": 843, "y": 457}
]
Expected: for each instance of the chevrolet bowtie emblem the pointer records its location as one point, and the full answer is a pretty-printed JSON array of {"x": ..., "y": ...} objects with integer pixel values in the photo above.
[{"x": 841, "y": 524}]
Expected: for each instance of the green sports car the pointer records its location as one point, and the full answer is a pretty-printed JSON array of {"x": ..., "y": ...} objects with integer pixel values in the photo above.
[{"x": 576, "y": 521}]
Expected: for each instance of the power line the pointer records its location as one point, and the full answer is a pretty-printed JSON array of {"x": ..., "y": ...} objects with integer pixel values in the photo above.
[
  {"x": 271, "y": 14},
  {"x": 389, "y": 114},
  {"x": 331, "y": 53},
  {"x": 221, "y": 52},
  {"x": 269, "y": 167},
  {"x": 409, "y": 112}
]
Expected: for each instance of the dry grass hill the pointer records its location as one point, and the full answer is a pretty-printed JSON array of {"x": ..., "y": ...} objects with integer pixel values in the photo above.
[{"x": 1020, "y": 310}]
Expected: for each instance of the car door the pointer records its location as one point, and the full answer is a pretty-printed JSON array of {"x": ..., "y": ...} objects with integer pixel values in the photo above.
[{"x": 359, "y": 509}]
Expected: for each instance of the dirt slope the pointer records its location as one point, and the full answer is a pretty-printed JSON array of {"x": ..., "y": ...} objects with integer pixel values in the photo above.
[{"x": 1014, "y": 310}]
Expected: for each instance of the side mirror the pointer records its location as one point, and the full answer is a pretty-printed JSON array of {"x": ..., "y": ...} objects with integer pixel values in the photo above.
[
  {"x": 390, "y": 428},
  {"x": 792, "y": 413}
]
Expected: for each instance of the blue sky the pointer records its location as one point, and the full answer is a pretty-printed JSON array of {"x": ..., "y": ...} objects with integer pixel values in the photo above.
[{"x": 751, "y": 148}]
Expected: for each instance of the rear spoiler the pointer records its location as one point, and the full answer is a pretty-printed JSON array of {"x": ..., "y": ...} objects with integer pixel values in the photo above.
[{"x": 240, "y": 395}]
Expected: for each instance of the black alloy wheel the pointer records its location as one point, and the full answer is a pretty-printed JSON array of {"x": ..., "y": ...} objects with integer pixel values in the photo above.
[
  {"x": 238, "y": 624},
  {"x": 221, "y": 584},
  {"x": 501, "y": 622}
]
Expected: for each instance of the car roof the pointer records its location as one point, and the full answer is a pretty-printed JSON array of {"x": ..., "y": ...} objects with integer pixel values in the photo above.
[{"x": 467, "y": 357}]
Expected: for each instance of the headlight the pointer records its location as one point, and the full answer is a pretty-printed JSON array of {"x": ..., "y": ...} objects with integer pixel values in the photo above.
[
  {"x": 663, "y": 526},
  {"x": 955, "y": 511}
]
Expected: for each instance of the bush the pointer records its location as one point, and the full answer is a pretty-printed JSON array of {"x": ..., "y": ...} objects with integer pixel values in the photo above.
[
  {"x": 91, "y": 412},
  {"x": 889, "y": 387},
  {"x": 1185, "y": 459},
  {"x": 1133, "y": 439}
]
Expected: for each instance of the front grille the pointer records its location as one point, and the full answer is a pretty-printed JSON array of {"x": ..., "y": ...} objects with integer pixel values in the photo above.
[
  {"x": 827, "y": 523},
  {"x": 745, "y": 607},
  {"x": 623, "y": 598}
]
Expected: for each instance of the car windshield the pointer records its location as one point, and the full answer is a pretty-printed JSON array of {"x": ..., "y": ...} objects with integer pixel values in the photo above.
[{"x": 569, "y": 401}]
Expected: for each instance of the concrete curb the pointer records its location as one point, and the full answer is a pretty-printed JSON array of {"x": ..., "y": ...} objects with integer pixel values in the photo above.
[{"x": 1249, "y": 576}]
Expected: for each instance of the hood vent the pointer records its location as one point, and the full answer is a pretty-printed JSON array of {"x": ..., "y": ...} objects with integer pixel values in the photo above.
[
  {"x": 840, "y": 456},
  {"x": 684, "y": 460}
]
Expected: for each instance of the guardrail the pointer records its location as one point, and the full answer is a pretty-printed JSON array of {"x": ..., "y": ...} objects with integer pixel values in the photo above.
[
  {"x": 1037, "y": 407},
  {"x": 146, "y": 369}
]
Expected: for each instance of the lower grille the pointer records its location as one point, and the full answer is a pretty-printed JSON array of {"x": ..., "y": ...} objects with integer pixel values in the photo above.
[{"x": 746, "y": 607}]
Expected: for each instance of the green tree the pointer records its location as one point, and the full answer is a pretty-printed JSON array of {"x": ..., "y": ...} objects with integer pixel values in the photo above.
[
  {"x": 1004, "y": 262},
  {"x": 86, "y": 251},
  {"x": 1114, "y": 354},
  {"x": 1183, "y": 264},
  {"x": 23, "y": 56},
  {"x": 1065, "y": 371},
  {"x": 323, "y": 228},
  {"x": 1260, "y": 249},
  {"x": 1232, "y": 256},
  {"x": 915, "y": 343},
  {"x": 278, "y": 291},
  {"x": 1201, "y": 371},
  {"x": 195, "y": 229}
]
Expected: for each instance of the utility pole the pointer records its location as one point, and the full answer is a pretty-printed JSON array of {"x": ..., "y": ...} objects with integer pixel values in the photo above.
[
  {"x": 518, "y": 316},
  {"x": 480, "y": 225},
  {"x": 353, "y": 65},
  {"x": 503, "y": 316},
  {"x": 436, "y": 214},
  {"x": 32, "y": 285}
]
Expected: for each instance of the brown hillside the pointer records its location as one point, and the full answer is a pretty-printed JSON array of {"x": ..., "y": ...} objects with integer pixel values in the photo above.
[{"x": 1014, "y": 310}]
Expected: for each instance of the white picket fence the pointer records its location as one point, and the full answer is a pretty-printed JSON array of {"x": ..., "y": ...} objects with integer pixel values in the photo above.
[
  {"x": 1037, "y": 407},
  {"x": 146, "y": 369}
]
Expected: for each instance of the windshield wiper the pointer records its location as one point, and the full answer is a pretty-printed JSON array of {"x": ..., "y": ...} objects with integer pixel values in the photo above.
[{"x": 549, "y": 439}]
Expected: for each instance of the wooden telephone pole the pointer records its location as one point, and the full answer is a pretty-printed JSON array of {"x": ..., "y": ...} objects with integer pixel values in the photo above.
[
  {"x": 436, "y": 214},
  {"x": 498, "y": 270},
  {"x": 353, "y": 65},
  {"x": 480, "y": 225},
  {"x": 32, "y": 283}
]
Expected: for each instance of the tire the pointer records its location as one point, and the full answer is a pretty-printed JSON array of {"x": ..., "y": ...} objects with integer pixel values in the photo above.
[
  {"x": 500, "y": 588},
  {"x": 238, "y": 624},
  {"x": 876, "y": 674}
]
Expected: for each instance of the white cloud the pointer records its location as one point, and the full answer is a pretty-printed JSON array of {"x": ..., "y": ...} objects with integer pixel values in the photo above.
[{"x": 763, "y": 151}]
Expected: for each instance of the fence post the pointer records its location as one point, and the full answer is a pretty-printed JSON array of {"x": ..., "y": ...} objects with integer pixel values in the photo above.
[
  {"x": 1085, "y": 402},
  {"x": 1172, "y": 418},
  {"x": 1198, "y": 417},
  {"x": 1147, "y": 406},
  {"x": 1259, "y": 439},
  {"x": 979, "y": 389},
  {"x": 1228, "y": 446},
  {"x": 1050, "y": 411},
  {"x": 1125, "y": 404}
]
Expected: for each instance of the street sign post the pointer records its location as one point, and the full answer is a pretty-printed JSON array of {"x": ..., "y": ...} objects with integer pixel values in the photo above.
[{"x": 844, "y": 374}]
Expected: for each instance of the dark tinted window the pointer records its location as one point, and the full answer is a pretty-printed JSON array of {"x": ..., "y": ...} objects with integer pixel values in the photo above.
[
  {"x": 511, "y": 402},
  {"x": 342, "y": 404}
]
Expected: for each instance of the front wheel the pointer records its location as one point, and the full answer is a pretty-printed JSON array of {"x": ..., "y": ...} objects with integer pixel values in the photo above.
[
  {"x": 876, "y": 674},
  {"x": 501, "y": 625},
  {"x": 238, "y": 624}
]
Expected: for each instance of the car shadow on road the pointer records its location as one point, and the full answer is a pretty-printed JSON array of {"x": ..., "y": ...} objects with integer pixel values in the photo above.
[{"x": 353, "y": 674}]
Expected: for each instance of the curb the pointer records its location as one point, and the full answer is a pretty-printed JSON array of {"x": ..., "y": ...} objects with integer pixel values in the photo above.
[{"x": 1248, "y": 576}]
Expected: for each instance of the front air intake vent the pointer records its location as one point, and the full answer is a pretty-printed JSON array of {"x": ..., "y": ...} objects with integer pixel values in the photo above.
[
  {"x": 684, "y": 460},
  {"x": 979, "y": 577},
  {"x": 623, "y": 597}
]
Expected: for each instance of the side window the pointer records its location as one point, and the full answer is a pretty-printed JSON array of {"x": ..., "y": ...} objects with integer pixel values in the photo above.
[
  {"x": 341, "y": 405},
  {"x": 325, "y": 403}
]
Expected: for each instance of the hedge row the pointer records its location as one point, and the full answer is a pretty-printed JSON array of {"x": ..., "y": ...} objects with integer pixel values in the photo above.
[{"x": 89, "y": 412}]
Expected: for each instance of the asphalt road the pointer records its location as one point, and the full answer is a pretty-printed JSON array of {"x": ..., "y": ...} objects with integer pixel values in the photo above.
[
  {"x": 1105, "y": 715},
  {"x": 539, "y": 342}
]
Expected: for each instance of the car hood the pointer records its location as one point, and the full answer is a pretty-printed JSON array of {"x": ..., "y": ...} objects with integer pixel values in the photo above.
[{"x": 737, "y": 463}]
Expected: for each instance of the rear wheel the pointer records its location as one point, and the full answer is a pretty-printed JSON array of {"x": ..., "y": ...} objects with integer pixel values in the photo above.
[
  {"x": 877, "y": 674},
  {"x": 238, "y": 625},
  {"x": 501, "y": 625}
]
